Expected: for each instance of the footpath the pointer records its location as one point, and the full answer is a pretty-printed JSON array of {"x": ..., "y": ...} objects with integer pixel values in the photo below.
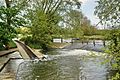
[
  {"x": 3, "y": 61},
  {"x": 6, "y": 52}
]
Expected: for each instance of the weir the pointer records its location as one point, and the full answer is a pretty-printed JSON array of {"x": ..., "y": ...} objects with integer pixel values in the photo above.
[{"x": 25, "y": 52}]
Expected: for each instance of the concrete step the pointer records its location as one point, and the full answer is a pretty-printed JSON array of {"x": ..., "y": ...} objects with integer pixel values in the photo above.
[
  {"x": 6, "y": 52},
  {"x": 3, "y": 62}
]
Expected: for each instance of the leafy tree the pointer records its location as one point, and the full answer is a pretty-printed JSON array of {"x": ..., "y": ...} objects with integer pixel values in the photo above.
[
  {"x": 79, "y": 24},
  {"x": 87, "y": 28},
  {"x": 73, "y": 21},
  {"x": 9, "y": 19},
  {"x": 109, "y": 13},
  {"x": 44, "y": 17}
]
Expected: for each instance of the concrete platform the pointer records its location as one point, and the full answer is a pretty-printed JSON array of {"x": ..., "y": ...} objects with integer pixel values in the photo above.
[
  {"x": 3, "y": 62},
  {"x": 7, "y": 76},
  {"x": 6, "y": 52}
]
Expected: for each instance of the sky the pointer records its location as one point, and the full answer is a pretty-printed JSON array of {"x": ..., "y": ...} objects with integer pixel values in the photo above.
[
  {"x": 2, "y": 2},
  {"x": 88, "y": 10}
]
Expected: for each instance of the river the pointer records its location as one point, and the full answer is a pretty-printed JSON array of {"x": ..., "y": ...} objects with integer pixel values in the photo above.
[{"x": 70, "y": 63}]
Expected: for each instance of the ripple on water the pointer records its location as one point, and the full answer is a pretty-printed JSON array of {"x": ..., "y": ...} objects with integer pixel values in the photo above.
[{"x": 68, "y": 65}]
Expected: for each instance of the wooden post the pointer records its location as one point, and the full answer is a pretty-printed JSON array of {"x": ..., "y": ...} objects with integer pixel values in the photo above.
[
  {"x": 104, "y": 43},
  {"x": 94, "y": 42},
  {"x": 87, "y": 42},
  {"x": 82, "y": 41}
]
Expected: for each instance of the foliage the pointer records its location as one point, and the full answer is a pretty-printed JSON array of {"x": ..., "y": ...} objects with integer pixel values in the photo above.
[
  {"x": 36, "y": 44},
  {"x": 1, "y": 47},
  {"x": 12, "y": 44},
  {"x": 31, "y": 42},
  {"x": 103, "y": 32},
  {"x": 9, "y": 19},
  {"x": 88, "y": 30},
  {"x": 44, "y": 17},
  {"x": 73, "y": 22},
  {"x": 77, "y": 25},
  {"x": 94, "y": 37},
  {"x": 108, "y": 12},
  {"x": 114, "y": 50}
]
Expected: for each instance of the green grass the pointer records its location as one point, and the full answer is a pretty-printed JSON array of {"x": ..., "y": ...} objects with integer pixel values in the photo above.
[
  {"x": 58, "y": 45},
  {"x": 1, "y": 47},
  {"x": 35, "y": 46},
  {"x": 12, "y": 44},
  {"x": 95, "y": 37}
]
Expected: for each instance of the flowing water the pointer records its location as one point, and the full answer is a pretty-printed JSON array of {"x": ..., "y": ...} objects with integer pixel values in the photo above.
[
  {"x": 63, "y": 64},
  {"x": 66, "y": 65}
]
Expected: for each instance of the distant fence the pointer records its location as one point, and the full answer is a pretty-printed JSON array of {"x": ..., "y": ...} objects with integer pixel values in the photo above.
[
  {"x": 95, "y": 42},
  {"x": 60, "y": 40},
  {"x": 70, "y": 40}
]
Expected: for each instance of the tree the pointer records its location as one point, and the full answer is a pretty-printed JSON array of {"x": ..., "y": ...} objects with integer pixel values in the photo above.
[
  {"x": 109, "y": 13},
  {"x": 74, "y": 22},
  {"x": 44, "y": 17},
  {"x": 78, "y": 24},
  {"x": 9, "y": 19}
]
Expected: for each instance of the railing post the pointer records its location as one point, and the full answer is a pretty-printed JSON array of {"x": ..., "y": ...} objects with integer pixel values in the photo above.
[{"x": 94, "y": 42}]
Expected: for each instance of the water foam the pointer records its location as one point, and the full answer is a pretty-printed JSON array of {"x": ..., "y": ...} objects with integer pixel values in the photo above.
[{"x": 78, "y": 52}]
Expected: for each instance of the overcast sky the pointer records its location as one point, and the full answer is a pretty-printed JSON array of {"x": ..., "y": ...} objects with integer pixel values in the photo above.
[{"x": 88, "y": 10}]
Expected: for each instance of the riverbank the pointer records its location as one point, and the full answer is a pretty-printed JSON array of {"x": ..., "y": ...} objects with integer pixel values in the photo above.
[
  {"x": 59, "y": 45},
  {"x": 94, "y": 37}
]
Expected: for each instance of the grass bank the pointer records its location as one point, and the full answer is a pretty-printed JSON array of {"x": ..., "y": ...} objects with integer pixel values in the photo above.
[
  {"x": 58, "y": 45},
  {"x": 11, "y": 45},
  {"x": 95, "y": 37}
]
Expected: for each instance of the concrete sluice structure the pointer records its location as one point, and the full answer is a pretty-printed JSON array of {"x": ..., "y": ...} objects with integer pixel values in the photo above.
[
  {"x": 26, "y": 52},
  {"x": 14, "y": 57}
]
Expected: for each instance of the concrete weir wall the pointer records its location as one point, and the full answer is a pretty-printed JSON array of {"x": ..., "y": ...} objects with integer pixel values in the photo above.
[
  {"x": 26, "y": 52},
  {"x": 22, "y": 51}
]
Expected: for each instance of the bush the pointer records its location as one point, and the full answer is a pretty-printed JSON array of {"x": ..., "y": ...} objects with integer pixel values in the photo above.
[
  {"x": 114, "y": 52},
  {"x": 31, "y": 42},
  {"x": 12, "y": 44},
  {"x": 1, "y": 47}
]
